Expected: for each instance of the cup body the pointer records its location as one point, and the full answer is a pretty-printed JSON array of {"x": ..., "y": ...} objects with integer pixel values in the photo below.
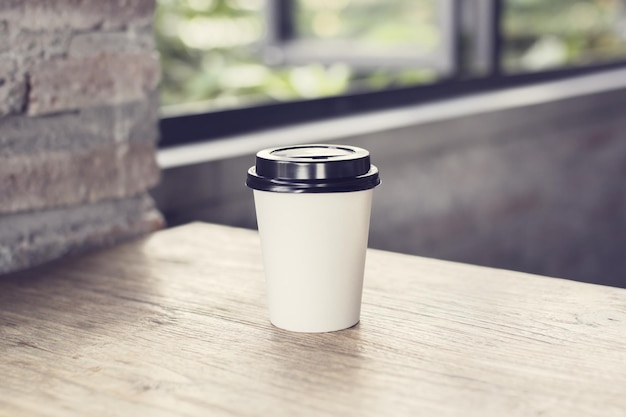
[
  {"x": 314, "y": 247},
  {"x": 313, "y": 206}
]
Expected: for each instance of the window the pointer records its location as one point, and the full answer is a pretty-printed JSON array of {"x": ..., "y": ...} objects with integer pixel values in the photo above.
[
  {"x": 232, "y": 66},
  {"x": 221, "y": 54}
]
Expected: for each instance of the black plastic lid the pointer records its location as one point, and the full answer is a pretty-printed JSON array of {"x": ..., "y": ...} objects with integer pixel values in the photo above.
[{"x": 313, "y": 169}]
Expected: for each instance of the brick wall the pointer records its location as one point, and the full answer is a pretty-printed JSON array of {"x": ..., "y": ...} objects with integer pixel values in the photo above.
[{"x": 78, "y": 126}]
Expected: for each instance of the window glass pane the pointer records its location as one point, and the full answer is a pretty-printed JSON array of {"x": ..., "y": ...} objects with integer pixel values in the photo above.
[
  {"x": 397, "y": 23},
  {"x": 208, "y": 50},
  {"x": 540, "y": 34},
  {"x": 212, "y": 50}
]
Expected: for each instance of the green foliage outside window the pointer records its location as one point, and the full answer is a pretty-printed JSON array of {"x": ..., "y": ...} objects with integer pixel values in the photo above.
[
  {"x": 211, "y": 50},
  {"x": 211, "y": 53},
  {"x": 543, "y": 34}
]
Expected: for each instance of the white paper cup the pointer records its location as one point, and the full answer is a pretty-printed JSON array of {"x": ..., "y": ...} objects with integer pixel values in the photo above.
[{"x": 314, "y": 242}]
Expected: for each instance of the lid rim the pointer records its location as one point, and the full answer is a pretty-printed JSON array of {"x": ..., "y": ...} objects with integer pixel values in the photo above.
[
  {"x": 313, "y": 168},
  {"x": 363, "y": 182}
]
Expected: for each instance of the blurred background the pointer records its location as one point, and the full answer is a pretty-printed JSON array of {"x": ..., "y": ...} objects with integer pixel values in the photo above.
[{"x": 496, "y": 124}]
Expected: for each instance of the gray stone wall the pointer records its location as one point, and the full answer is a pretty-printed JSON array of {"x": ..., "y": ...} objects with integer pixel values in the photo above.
[
  {"x": 78, "y": 126},
  {"x": 539, "y": 189}
]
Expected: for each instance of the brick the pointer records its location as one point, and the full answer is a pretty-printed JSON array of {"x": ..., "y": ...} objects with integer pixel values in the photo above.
[
  {"x": 12, "y": 87},
  {"x": 5, "y": 40},
  {"x": 81, "y": 14},
  {"x": 46, "y": 179},
  {"x": 135, "y": 121},
  {"x": 78, "y": 82},
  {"x": 128, "y": 41},
  {"x": 26, "y": 47},
  {"x": 32, "y": 238},
  {"x": 33, "y": 46},
  {"x": 29, "y": 46},
  {"x": 144, "y": 125},
  {"x": 10, "y": 9}
]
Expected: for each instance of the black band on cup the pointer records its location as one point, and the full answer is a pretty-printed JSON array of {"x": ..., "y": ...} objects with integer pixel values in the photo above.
[{"x": 314, "y": 168}]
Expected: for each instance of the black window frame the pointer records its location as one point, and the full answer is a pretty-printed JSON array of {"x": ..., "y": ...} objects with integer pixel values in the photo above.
[{"x": 193, "y": 128}]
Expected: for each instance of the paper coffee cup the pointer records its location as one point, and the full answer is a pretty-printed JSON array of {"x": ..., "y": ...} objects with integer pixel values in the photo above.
[{"x": 313, "y": 209}]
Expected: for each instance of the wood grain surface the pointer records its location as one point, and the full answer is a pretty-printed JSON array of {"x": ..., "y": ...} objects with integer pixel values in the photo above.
[{"x": 176, "y": 325}]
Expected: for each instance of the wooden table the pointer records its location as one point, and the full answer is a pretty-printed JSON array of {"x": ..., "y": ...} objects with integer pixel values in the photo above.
[{"x": 176, "y": 325}]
